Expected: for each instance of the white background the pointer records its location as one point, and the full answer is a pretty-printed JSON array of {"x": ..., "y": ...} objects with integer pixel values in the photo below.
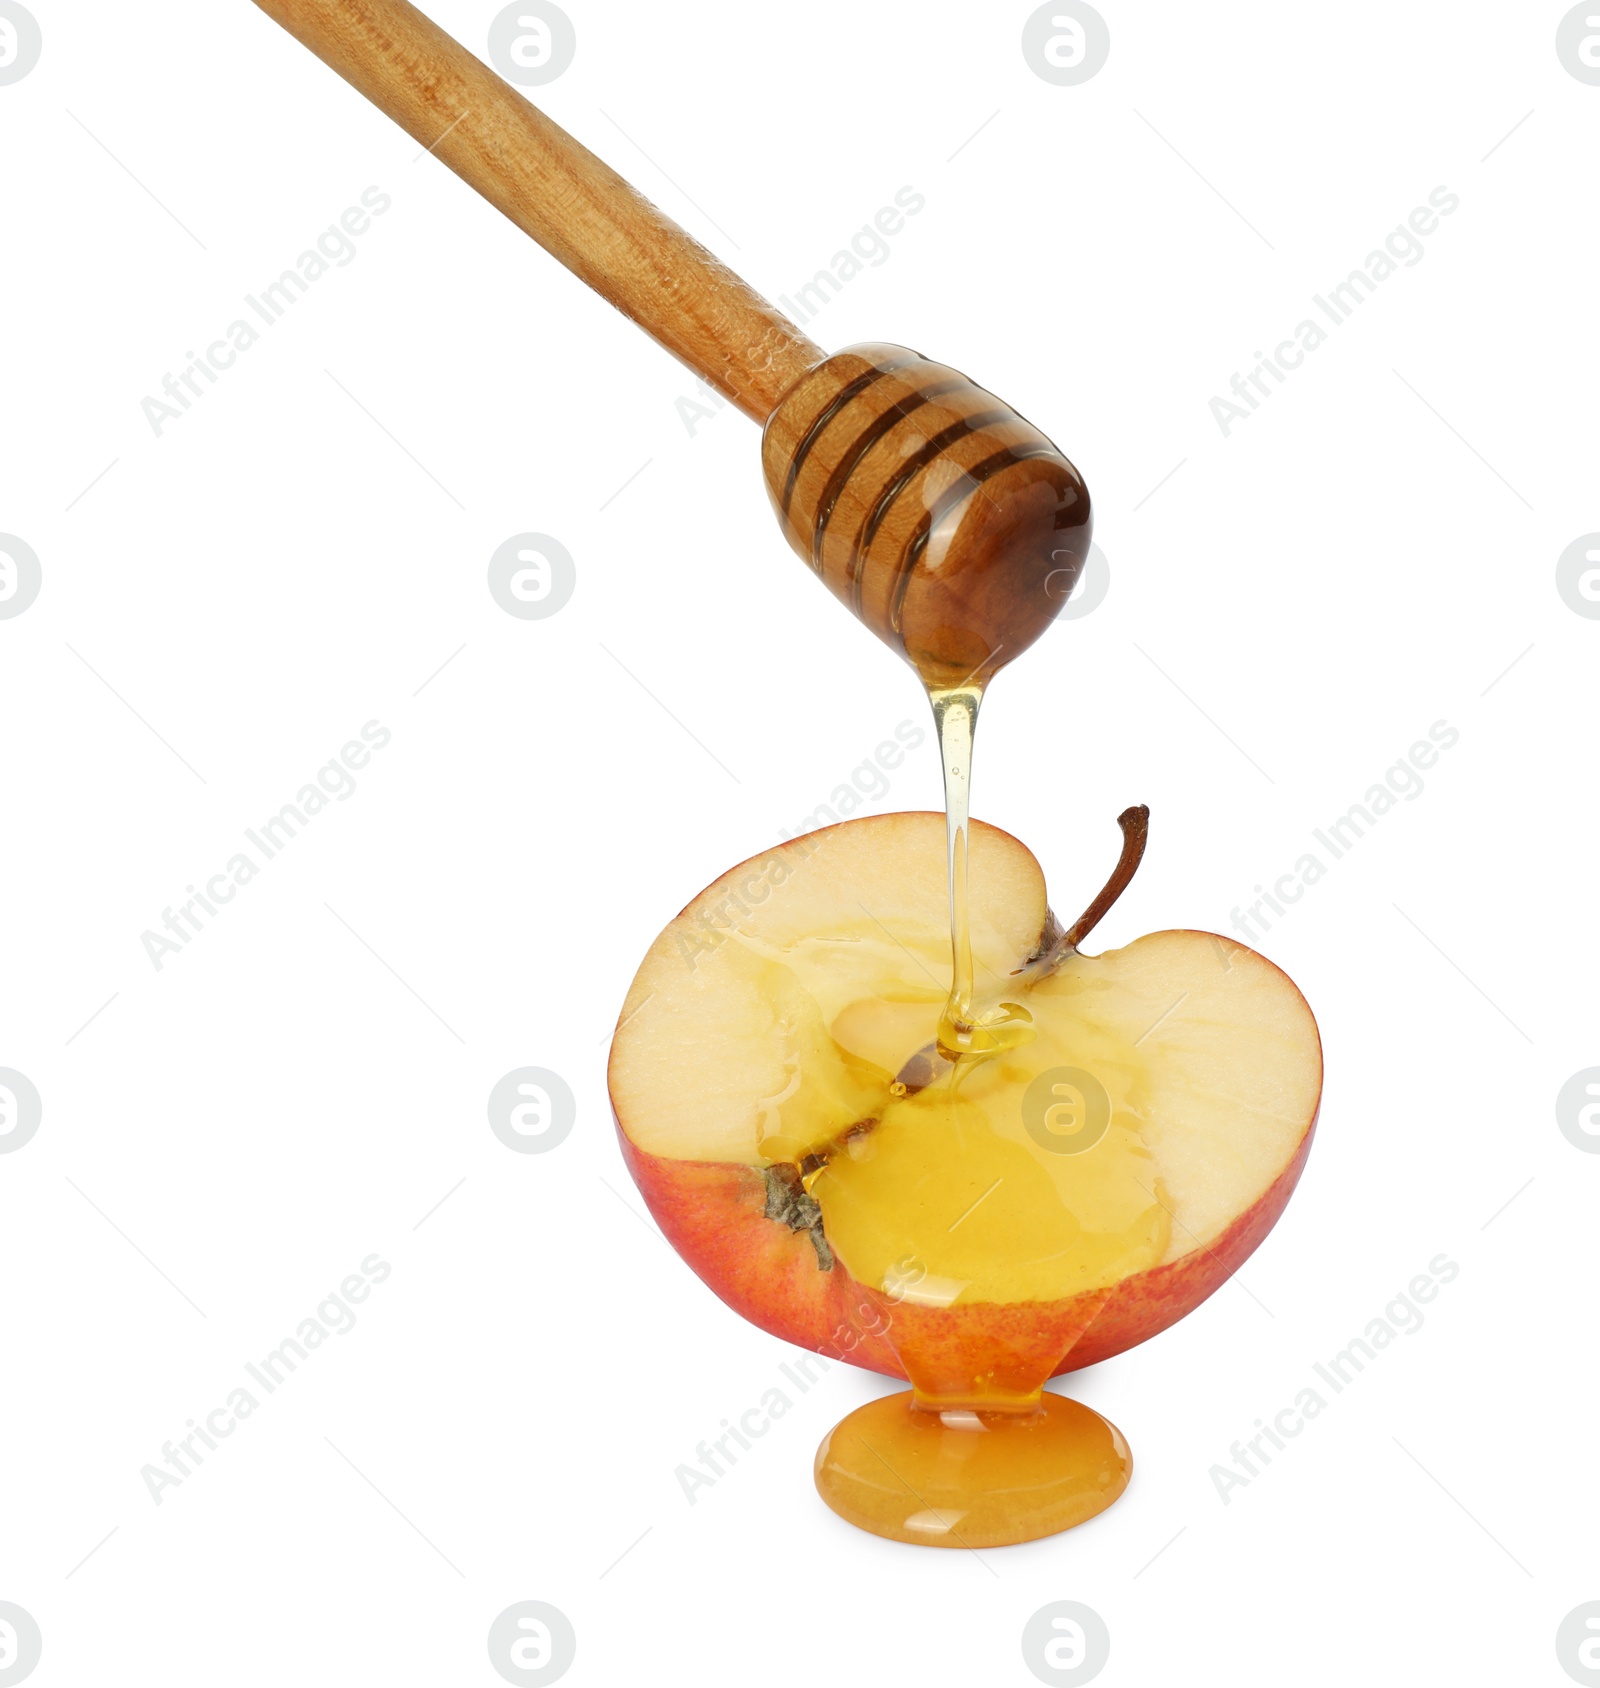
[{"x": 228, "y": 603}]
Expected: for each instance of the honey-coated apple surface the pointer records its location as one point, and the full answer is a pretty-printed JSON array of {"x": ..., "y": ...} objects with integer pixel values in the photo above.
[{"x": 782, "y": 1117}]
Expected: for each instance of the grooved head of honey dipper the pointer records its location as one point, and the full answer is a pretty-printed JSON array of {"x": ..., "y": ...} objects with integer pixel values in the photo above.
[{"x": 952, "y": 527}]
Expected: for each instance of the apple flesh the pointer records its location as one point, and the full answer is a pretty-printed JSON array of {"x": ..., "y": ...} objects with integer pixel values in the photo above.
[{"x": 778, "y": 1109}]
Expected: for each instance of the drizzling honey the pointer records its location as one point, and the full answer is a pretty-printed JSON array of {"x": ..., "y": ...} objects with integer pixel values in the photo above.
[
  {"x": 977, "y": 1160},
  {"x": 964, "y": 1028},
  {"x": 999, "y": 1185}
]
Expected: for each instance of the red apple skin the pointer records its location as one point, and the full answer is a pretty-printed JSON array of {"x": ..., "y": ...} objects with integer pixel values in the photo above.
[{"x": 712, "y": 1214}]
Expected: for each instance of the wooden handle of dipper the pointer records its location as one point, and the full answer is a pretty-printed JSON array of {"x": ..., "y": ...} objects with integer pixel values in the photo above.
[
  {"x": 947, "y": 523},
  {"x": 553, "y": 188}
]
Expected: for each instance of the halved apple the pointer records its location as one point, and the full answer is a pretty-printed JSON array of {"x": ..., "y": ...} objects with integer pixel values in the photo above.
[{"x": 807, "y": 1152}]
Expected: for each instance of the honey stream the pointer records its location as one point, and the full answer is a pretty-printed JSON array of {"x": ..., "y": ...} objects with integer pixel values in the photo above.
[{"x": 978, "y": 1453}]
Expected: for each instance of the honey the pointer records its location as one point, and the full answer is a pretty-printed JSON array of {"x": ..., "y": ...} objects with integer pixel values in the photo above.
[
  {"x": 978, "y": 1147},
  {"x": 971, "y": 1479}
]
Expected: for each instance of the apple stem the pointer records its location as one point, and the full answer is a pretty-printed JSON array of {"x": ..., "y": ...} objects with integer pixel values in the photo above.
[{"x": 1135, "y": 824}]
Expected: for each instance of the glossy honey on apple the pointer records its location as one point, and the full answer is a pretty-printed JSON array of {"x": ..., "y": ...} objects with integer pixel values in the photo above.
[
  {"x": 988, "y": 1182},
  {"x": 946, "y": 1175}
]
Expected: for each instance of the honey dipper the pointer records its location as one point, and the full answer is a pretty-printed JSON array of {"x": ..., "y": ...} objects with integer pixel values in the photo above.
[{"x": 952, "y": 527}]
